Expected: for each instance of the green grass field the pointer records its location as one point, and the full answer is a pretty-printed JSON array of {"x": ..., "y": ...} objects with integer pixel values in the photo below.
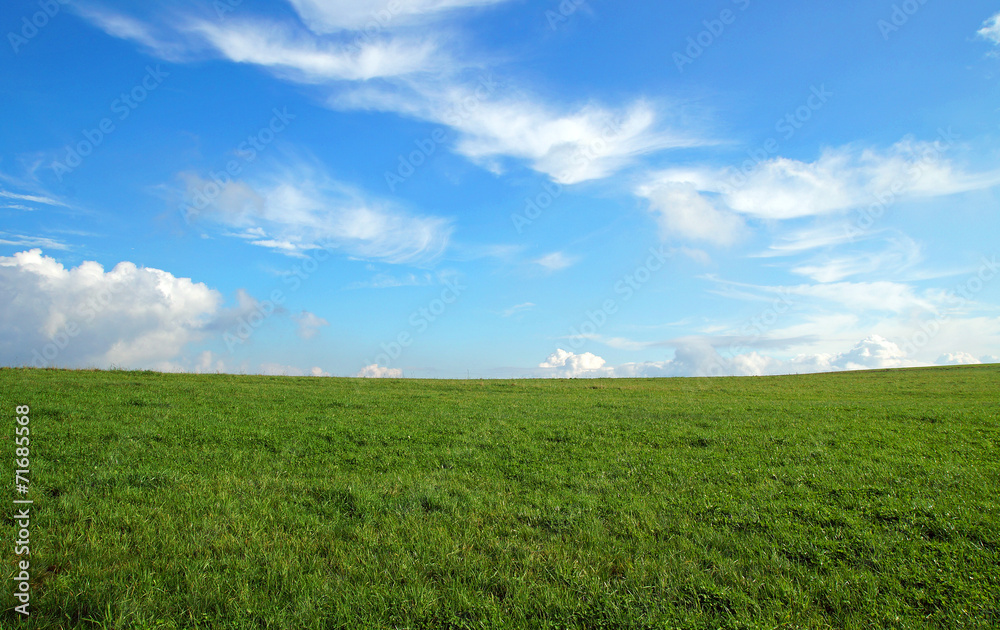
[{"x": 853, "y": 500}]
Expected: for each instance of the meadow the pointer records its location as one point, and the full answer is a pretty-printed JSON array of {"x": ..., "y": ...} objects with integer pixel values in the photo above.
[{"x": 850, "y": 500}]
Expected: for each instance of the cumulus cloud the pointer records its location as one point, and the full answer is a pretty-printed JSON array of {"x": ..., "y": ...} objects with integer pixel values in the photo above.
[
  {"x": 957, "y": 358},
  {"x": 874, "y": 352},
  {"x": 569, "y": 365},
  {"x": 377, "y": 371},
  {"x": 86, "y": 316}
]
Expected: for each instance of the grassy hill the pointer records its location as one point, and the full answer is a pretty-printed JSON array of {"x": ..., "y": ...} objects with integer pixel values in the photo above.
[{"x": 852, "y": 500}]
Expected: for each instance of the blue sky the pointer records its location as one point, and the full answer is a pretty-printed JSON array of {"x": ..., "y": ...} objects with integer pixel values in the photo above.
[{"x": 499, "y": 188}]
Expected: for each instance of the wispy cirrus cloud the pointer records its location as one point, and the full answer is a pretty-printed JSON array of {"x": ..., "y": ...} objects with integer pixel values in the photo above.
[
  {"x": 517, "y": 309},
  {"x": 876, "y": 297},
  {"x": 298, "y": 207},
  {"x": 556, "y": 261},
  {"x": 282, "y": 47},
  {"x": 497, "y": 124},
  {"x": 298, "y": 56},
  {"x": 900, "y": 254},
  {"x": 699, "y": 202},
  {"x": 419, "y": 78},
  {"x": 160, "y": 38},
  {"x": 21, "y": 240},
  {"x": 39, "y": 199},
  {"x": 329, "y": 16}
]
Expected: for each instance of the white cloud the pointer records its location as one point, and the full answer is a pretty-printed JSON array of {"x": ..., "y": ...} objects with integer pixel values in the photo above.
[
  {"x": 277, "y": 369},
  {"x": 84, "y": 316},
  {"x": 125, "y": 27},
  {"x": 388, "y": 281},
  {"x": 683, "y": 212},
  {"x": 840, "y": 179},
  {"x": 798, "y": 240},
  {"x": 588, "y": 144},
  {"x": 207, "y": 363},
  {"x": 309, "y": 324},
  {"x": 328, "y": 16},
  {"x": 20, "y": 240},
  {"x": 852, "y": 297},
  {"x": 518, "y": 309},
  {"x": 874, "y": 352},
  {"x": 569, "y": 146},
  {"x": 564, "y": 364},
  {"x": 699, "y": 256},
  {"x": 698, "y": 357},
  {"x": 556, "y": 261},
  {"x": 377, "y": 371},
  {"x": 957, "y": 358},
  {"x": 303, "y": 58},
  {"x": 868, "y": 297},
  {"x": 49, "y": 201},
  {"x": 301, "y": 209},
  {"x": 991, "y": 29},
  {"x": 901, "y": 254}
]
